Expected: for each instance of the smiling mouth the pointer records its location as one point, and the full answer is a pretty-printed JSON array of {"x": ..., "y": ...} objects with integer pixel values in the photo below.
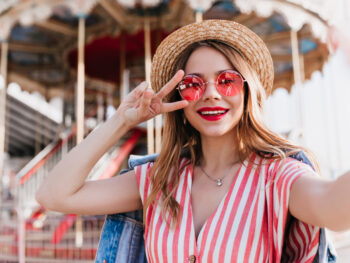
[{"x": 212, "y": 112}]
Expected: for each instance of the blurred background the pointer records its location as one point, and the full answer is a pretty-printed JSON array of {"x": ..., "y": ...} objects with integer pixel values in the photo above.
[{"x": 66, "y": 64}]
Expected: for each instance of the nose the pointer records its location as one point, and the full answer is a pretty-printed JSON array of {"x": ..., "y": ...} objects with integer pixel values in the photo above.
[{"x": 210, "y": 92}]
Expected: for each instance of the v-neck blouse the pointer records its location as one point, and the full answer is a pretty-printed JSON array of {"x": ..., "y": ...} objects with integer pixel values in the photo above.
[{"x": 249, "y": 224}]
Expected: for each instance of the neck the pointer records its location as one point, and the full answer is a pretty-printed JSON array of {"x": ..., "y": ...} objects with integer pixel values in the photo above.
[{"x": 219, "y": 152}]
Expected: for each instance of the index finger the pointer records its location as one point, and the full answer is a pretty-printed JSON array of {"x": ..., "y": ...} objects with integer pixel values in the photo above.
[{"x": 167, "y": 88}]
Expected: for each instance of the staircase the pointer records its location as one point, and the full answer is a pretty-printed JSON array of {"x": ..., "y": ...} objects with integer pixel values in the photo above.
[
  {"x": 50, "y": 237},
  {"x": 32, "y": 175}
]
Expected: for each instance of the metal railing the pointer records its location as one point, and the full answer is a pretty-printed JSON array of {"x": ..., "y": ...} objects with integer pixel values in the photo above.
[
  {"x": 39, "y": 236},
  {"x": 40, "y": 240},
  {"x": 32, "y": 175}
]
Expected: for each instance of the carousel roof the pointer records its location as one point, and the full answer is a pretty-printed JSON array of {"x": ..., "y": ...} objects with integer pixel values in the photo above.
[
  {"x": 43, "y": 55},
  {"x": 43, "y": 34},
  {"x": 28, "y": 129}
]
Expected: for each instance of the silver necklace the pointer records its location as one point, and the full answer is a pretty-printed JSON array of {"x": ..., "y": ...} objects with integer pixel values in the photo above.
[{"x": 219, "y": 180}]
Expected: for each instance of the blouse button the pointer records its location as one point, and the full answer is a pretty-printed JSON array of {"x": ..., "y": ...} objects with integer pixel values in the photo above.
[{"x": 192, "y": 259}]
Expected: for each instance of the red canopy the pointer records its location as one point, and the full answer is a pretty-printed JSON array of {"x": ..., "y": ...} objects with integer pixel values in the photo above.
[{"x": 102, "y": 55}]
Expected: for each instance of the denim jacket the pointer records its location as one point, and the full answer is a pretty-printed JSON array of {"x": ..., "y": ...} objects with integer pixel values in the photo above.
[{"x": 122, "y": 239}]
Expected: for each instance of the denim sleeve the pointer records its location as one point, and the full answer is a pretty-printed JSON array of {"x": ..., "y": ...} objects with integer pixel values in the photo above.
[
  {"x": 300, "y": 156},
  {"x": 121, "y": 239},
  {"x": 135, "y": 160}
]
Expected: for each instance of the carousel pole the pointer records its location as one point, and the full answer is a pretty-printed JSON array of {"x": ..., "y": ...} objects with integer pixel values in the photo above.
[
  {"x": 199, "y": 15},
  {"x": 297, "y": 75},
  {"x": 80, "y": 99},
  {"x": 159, "y": 118},
  {"x": 3, "y": 92},
  {"x": 21, "y": 232},
  {"x": 122, "y": 89},
  {"x": 295, "y": 56},
  {"x": 80, "y": 96},
  {"x": 3, "y": 73},
  {"x": 150, "y": 123},
  {"x": 159, "y": 121}
]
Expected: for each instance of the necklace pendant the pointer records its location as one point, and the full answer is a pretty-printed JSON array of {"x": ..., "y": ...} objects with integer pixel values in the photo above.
[{"x": 219, "y": 182}]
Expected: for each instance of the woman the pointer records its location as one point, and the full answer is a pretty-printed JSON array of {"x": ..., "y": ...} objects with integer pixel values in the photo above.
[{"x": 223, "y": 188}]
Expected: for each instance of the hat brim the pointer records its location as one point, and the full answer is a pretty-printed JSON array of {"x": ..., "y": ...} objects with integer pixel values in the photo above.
[{"x": 249, "y": 45}]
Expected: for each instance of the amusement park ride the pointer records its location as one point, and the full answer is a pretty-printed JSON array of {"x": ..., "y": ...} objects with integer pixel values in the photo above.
[{"x": 88, "y": 53}]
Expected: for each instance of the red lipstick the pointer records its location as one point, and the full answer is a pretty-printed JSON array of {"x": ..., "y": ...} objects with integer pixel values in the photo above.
[{"x": 212, "y": 113}]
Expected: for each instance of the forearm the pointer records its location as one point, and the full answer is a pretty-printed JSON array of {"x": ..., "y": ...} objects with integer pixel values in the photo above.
[
  {"x": 338, "y": 204},
  {"x": 322, "y": 202},
  {"x": 69, "y": 175}
]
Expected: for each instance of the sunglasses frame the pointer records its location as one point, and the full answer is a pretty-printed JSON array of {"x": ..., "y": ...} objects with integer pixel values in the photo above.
[{"x": 205, "y": 83}]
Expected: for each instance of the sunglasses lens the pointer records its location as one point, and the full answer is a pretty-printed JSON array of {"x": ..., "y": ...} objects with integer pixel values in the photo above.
[
  {"x": 191, "y": 88},
  {"x": 230, "y": 83}
]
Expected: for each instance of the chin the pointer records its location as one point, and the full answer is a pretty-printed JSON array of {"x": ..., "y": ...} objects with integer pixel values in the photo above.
[
  {"x": 208, "y": 132},
  {"x": 223, "y": 127}
]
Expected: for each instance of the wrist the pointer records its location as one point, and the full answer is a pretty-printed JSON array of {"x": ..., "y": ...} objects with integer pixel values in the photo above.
[
  {"x": 119, "y": 123},
  {"x": 108, "y": 134}
]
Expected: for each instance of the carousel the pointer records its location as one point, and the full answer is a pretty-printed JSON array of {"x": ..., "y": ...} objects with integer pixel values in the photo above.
[{"x": 65, "y": 66}]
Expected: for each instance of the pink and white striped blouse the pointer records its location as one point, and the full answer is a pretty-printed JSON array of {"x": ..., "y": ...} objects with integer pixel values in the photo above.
[{"x": 249, "y": 224}]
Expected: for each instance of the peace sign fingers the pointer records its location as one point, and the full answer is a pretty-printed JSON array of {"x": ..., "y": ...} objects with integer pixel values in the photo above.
[
  {"x": 170, "y": 85},
  {"x": 142, "y": 104},
  {"x": 173, "y": 106}
]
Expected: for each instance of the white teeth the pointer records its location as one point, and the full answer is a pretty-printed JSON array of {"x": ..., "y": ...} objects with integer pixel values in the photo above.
[{"x": 212, "y": 112}]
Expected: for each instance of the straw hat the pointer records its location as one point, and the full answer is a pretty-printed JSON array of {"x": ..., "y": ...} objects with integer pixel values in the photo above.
[{"x": 251, "y": 47}]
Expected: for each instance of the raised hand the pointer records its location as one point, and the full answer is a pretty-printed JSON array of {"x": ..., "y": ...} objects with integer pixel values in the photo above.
[{"x": 143, "y": 104}]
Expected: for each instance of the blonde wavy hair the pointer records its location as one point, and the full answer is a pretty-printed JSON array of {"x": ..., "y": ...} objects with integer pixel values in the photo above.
[{"x": 181, "y": 140}]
